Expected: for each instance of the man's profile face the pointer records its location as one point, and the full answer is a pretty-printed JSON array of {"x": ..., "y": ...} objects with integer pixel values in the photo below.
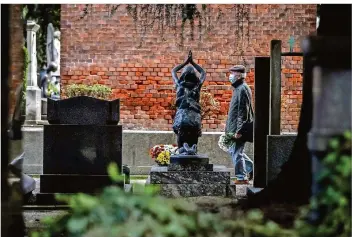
[{"x": 236, "y": 74}]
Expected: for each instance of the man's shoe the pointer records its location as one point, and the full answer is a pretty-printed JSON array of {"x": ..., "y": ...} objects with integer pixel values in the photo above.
[{"x": 241, "y": 181}]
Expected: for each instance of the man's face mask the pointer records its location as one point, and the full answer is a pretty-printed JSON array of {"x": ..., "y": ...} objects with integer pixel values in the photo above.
[{"x": 232, "y": 78}]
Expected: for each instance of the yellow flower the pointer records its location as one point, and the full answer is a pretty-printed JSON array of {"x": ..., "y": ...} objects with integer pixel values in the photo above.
[{"x": 164, "y": 157}]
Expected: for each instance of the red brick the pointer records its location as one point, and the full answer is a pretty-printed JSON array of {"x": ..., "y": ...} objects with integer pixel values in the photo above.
[{"x": 142, "y": 75}]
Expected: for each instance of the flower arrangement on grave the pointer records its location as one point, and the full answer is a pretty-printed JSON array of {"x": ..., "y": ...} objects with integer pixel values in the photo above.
[
  {"x": 162, "y": 153},
  {"x": 226, "y": 140}
]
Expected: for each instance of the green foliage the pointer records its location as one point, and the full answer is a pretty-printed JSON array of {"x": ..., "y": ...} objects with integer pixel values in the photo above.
[
  {"x": 43, "y": 14},
  {"x": 52, "y": 89},
  {"x": 114, "y": 173},
  {"x": 117, "y": 213},
  {"x": 96, "y": 91},
  {"x": 333, "y": 203},
  {"x": 25, "y": 72}
]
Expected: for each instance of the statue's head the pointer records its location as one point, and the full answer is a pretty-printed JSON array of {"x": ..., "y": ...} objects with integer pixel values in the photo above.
[
  {"x": 57, "y": 34},
  {"x": 52, "y": 67},
  {"x": 189, "y": 75}
]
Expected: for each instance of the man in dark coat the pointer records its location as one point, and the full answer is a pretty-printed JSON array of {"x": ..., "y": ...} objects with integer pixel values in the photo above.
[{"x": 240, "y": 113}]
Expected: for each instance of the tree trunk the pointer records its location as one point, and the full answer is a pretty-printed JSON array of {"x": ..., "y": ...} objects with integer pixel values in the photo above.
[{"x": 12, "y": 223}]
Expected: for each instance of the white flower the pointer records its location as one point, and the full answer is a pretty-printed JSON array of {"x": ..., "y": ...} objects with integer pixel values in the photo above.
[{"x": 221, "y": 143}]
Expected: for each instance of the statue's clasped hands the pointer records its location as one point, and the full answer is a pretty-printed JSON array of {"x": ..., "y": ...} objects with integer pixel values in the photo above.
[{"x": 189, "y": 58}]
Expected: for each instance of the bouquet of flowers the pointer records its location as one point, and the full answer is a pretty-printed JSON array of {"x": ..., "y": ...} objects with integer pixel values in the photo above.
[
  {"x": 162, "y": 153},
  {"x": 226, "y": 140}
]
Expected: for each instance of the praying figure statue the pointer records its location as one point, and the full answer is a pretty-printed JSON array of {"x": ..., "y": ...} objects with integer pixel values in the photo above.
[
  {"x": 187, "y": 122},
  {"x": 50, "y": 75}
]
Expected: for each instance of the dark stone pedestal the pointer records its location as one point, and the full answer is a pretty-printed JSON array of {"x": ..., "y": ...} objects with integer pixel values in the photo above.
[
  {"x": 53, "y": 183},
  {"x": 82, "y": 139},
  {"x": 191, "y": 176}
]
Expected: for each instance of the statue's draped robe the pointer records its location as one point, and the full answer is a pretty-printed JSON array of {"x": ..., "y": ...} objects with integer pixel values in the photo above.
[{"x": 188, "y": 114}]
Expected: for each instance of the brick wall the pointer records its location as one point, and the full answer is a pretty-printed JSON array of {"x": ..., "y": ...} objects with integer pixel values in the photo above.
[
  {"x": 16, "y": 53},
  {"x": 110, "y": 51}
]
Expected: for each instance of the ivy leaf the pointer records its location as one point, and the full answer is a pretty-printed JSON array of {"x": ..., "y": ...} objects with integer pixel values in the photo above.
[
  {"x": 77, "y": 225},
  {"x": 334, "y": 143},
  {"x": 114, "y": 173},
  {"x": 151, "y": 190},
  {"x": 323, "y": 174},
  {"x": 272, "y": 227},
  {"x": 35, "y": 234},
  {"x": 255, "y": 215},
  {"x": 330, "y": 158},
  {"x": 348, "y": 135}
]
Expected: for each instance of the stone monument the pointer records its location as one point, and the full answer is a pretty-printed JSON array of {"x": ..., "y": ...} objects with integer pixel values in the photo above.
[
  {"x": 33, "y": 93},
  {"x": 50, "y": 74},
  {"x": 82, "y": 138},
  {"x": 31, "y": 128},
  {"x": 189, "y": 174}
]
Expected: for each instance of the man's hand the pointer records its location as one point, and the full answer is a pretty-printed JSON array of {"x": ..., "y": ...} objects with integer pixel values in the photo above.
[{"x": 237, "y": 136}]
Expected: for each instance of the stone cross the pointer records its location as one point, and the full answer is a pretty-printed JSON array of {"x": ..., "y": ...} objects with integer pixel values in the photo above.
[
  {"x": 33, "y": 93},
  {"x": 32, "y": 29}
]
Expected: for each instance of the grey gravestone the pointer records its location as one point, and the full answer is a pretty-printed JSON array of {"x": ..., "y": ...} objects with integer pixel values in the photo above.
[
  {"x": 193, "y": 190},
  {"x": 279, "y": 150},
  {"x": 161, "y": 175},
  {"x": 191, "y": 179}
]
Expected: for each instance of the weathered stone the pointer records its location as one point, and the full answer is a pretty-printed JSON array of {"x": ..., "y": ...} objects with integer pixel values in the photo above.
[
  {"x": 33, "y": 149},
  {"x": 190, "y": 167},
  {"x": 191, "y": 190},
  {"x": 231, "y": 190},
  {"x": 44, "y": 106},
  {"x": 189, "y": 177},
  {"x": 33, "y": 93},
  {"x": 279, "y": 150},
  {"x": 191, "y": 183},
  {"x": 33, "y": 105}
]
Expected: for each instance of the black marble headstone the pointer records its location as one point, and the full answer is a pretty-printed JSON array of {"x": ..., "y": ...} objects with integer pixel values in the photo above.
[
  {"x": 81, "y": 140},
  {"x": 83, "y": 110},
  {"x": 81, "y": 149}
]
